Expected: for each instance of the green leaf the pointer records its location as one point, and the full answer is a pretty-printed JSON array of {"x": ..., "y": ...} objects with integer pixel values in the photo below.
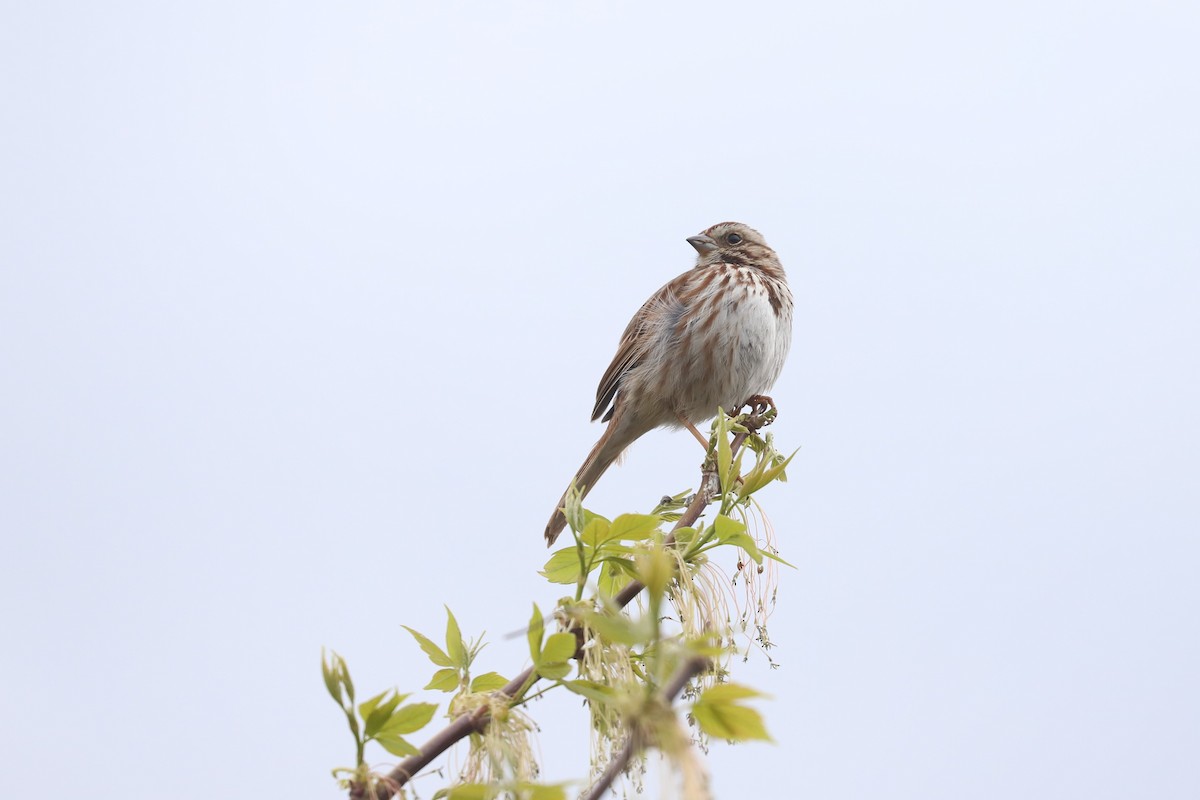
[
  {"x": 710, "y": 645},
  {"x": 778, "y": 473},
  {"x": 620, "y": 629},
  {"x": 559, "y": 647},
  {"x": 396, "y": 745},
  {"x": 537, "y": 626},
  {"x": 736, "y": 469},
  {"x": 656, "y": 569},
  {"x": 595, "y": 531},
  {"x": 377, "y": 716},
  {"x": 762, "y": 474},
  {"x": 554, "y": 671},
  {"x": 434, "y": 652},
  {"x": 444, "y": 680},
  {"x": 367, "y": 706},
  {"x": 730, "y": 531},
  {"x": 724, "y": 453},
  {"x": 489, "y": 682},
  {"x": 774, "y": 557},
  {"x": 728, "y": 692},
  {"x": 329, "y": 671},
  {"x": 408, "y": 719},
  {"x": 727, "y": 526},
  {"x": 684, "y": 536},
  {"x": 633, "y": 527},
  {"x": 455, "y": 647},
  {"x": 563, "y": 566},
  {"x": 337, "y": 678},
  {"x": 595, "y": 692},
  {"x": 744, "y": 541},
  {"x": 551, "y": 661},
  {"x": 615, "y": 573},
  {"x": 344, "y": 677},
  {"x": 729, "y": 721},
  {"x": 717, "y": 714},
  {"x": 573, "y": 508}
]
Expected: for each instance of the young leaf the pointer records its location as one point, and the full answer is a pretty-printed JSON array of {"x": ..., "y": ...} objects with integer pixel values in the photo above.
[
  {"x": 736, "y": 469},
  {"x": 537, "y": 626},
  {"x": 409, "y": 719},
  {"x": 774, "y": 557},
  {"x": 563, "y": 566},
  {"x": 762, "y": 474},
  {"x": 559, "y": 647},
  {"x": 730, "y": 721},
  {"x": 434, "y": 652},
  {"x": 727, "y": 526},
  {"x": 620, "y": 629},
  {"x": 717, "y": 714},
  {"x": 730, "y": 531},
  {"x": 455, "y": 647},
  {"x": 744, "y": 541},
  {"x": 554, "y": 672},
  {"x": 595, "y": 692},
  {"x": 595, "y": 531},
  {"x": 337, "y": 678},
  {"x": 728, "y": 692},
  {"x": 655, "y": 569},
  {"x": 344, "y": 678},
  {"x": 614, "y": 574},
  {"x": 367, "y": 706},
  {"x": 396, "y": 745},
  {"x": 444, "y": 680},
  {"x": 633, "y": 527},
  {"x": 489, "y": 682},
  {"x": 380, "y": 715},
  {"x": 684, "y": 536},
  {"x": 724, "y": 452},
  {"x": 573, "y": 508},
  {"x": 329, "y": 671}
]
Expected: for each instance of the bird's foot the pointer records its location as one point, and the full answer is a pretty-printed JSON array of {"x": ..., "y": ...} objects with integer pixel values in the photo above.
[
  {"x": 762, "y": 410},
  {"x": 759, "y": 403}
]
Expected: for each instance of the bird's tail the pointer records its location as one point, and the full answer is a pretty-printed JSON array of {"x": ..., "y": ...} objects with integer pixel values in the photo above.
[{"x": 607, "y": 450}]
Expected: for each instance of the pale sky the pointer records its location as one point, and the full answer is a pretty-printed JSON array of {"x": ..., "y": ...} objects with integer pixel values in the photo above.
[{"x": 303, "y": 307}]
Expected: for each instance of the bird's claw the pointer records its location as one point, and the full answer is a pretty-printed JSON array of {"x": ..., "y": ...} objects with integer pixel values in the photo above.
[{"x": 759, "y": 405}]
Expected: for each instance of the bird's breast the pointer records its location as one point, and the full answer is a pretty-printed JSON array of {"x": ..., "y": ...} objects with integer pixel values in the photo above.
[{"x": 725, "y": 339}]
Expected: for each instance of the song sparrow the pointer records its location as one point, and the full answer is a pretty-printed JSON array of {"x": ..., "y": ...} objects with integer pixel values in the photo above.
[{"x": 715, "y": 336}]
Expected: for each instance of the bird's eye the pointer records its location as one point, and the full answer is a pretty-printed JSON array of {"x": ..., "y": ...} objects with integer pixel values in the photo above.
[{"x": 733, "y": 238}]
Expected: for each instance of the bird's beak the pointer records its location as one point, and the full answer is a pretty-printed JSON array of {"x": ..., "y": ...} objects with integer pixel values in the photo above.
[{"x": 703, "y": 244}]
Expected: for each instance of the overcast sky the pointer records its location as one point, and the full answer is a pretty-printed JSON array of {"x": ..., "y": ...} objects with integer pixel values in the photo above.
[{"x": 303, "y": 307}]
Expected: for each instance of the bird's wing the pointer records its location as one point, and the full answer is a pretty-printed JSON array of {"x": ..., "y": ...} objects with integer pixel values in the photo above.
[{"x": 663, "y": 308}]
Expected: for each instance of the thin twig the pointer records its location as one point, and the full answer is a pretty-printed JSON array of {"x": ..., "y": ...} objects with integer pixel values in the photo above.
[
  {"x": 615, "y": 767},
  {"x": 475, "y": 721},
  {"x": 620, "y": 762}
]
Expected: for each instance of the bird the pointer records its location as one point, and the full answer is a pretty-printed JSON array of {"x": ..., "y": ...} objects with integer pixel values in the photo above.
[{"x": 714, "y": 337}]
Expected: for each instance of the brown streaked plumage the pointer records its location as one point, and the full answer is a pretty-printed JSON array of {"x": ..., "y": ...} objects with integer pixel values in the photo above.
[{"x": 715, "y": 336}]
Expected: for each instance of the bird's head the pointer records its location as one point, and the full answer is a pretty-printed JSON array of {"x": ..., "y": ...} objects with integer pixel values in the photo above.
[{"x": 732, "y": 243}]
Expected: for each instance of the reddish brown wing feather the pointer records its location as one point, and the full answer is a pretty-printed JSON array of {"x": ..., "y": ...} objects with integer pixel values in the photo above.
[
  {"x": 632, "y": 343},
  {"x": 633, "y": 346}
]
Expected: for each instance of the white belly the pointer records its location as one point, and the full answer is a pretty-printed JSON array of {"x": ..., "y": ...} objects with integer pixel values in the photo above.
[{"x": 731, "y": 348}]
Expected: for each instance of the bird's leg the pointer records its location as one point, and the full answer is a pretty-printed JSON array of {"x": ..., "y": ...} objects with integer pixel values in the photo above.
[{"x": 687, "y": 423}]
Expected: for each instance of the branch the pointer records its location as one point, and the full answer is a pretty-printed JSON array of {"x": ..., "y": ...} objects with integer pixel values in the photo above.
[
  {"x": 690, "y": 668},
  {"x": 475, "y": 721},
  {"x": 460, "y": 728}
]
